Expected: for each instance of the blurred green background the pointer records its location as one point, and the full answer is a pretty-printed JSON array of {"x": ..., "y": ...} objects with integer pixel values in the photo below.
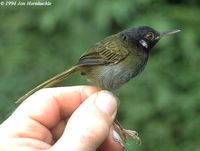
[{"x": 162, "y": 104}]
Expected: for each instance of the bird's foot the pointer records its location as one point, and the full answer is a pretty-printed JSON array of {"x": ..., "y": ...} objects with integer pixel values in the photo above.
[{"x": 121, "y": 135}]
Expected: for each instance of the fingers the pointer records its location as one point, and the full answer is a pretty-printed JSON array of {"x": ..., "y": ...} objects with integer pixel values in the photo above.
[
  {"x": 90, "y": 124},
  {"x": 48, "y": 106},
  {"x": 44, "y": 110},
  {"x": 44, "y": 115}
]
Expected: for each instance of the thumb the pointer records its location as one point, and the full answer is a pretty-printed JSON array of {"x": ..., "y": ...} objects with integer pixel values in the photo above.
[{"x": 89, "y": 125}]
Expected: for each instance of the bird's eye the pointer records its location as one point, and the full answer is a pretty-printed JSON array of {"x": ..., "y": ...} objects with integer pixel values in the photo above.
[{"x": 150, "y": 36}]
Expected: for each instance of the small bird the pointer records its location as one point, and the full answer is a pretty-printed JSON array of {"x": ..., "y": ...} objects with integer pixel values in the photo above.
[{"x": 112, "y": 62}]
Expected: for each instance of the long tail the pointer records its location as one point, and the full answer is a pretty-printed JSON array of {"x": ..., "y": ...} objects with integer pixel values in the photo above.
[{"x": 51, "y": 82}]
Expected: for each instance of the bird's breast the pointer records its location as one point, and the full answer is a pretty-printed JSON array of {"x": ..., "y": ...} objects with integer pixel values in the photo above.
[{"x": 112, "y": 77}]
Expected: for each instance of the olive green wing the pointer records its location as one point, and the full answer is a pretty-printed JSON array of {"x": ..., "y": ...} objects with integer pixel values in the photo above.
[{"x": 111, "y": 50}]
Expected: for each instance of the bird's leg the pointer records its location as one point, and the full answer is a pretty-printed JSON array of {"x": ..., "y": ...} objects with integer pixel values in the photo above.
[{"x": 121, "y": 135}]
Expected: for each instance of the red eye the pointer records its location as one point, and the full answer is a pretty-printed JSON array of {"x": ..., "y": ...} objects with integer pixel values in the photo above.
[{"x": 150, "y": 36}]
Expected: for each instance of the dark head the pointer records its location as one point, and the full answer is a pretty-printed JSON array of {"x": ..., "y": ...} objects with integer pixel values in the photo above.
[{"x": 144, "y": 36}]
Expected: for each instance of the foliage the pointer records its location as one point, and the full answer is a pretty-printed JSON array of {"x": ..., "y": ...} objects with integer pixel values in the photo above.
[{"x": 162, "y": 104}]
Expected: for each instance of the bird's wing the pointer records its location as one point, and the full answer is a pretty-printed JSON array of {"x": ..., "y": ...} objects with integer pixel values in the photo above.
[{"x": 108, "y": 51}]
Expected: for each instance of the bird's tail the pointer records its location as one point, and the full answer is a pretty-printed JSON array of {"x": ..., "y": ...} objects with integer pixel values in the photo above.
[{"x": 51, "y": 82}]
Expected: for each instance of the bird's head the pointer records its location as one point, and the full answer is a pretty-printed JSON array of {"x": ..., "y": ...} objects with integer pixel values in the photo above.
[{"x": 144, "y": 36}]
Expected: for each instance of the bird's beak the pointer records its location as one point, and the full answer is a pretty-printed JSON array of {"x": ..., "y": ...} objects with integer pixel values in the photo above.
[{"x": 163, "y": 34}]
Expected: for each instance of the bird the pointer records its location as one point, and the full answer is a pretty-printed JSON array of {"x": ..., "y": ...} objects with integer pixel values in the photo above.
[{"x": 111, "y": 63}]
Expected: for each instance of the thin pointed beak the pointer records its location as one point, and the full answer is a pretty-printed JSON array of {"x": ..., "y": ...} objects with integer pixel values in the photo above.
[{"x": 163, "y": 34}]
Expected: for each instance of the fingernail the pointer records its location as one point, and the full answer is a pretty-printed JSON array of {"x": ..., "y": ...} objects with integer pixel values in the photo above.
[{"x": 106, "y": 102}]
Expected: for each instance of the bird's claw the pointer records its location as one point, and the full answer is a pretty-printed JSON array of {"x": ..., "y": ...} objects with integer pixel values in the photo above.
[{"x": 121, "y": 135}]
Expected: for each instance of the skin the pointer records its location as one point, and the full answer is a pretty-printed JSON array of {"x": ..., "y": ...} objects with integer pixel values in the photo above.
[{"x": 52, "y": 119}]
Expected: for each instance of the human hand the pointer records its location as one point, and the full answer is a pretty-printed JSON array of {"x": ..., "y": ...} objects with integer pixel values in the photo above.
[{"x": 75, "y": 118}]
